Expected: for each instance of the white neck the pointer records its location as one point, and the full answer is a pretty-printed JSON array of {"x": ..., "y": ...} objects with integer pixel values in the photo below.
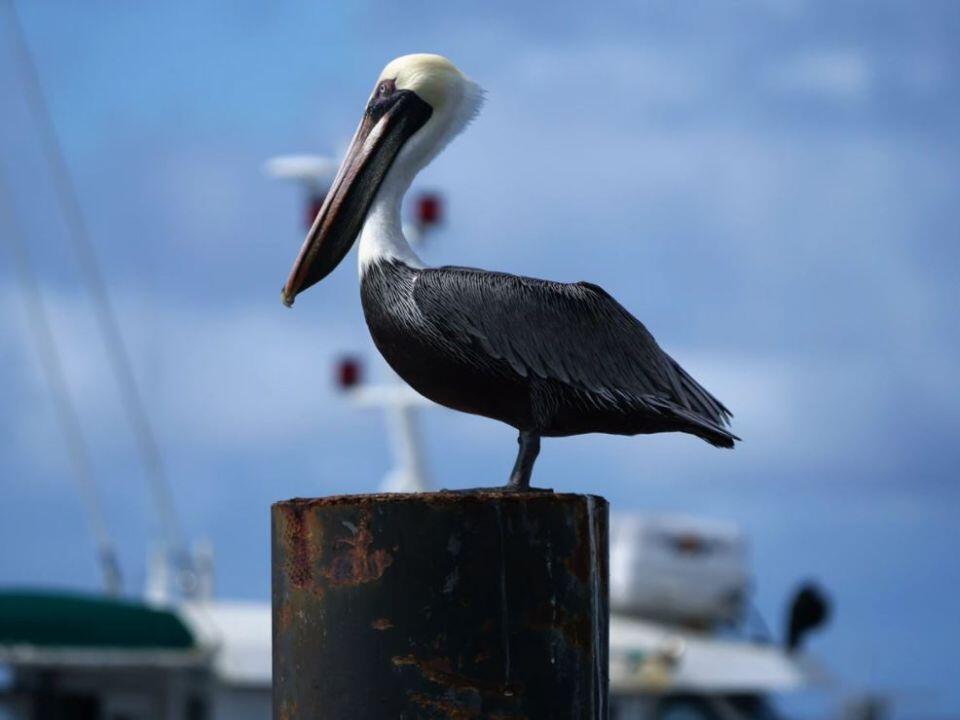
[{"x": 381, "y": 237}]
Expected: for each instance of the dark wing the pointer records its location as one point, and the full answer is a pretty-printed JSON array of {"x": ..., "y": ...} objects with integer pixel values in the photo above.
[{"x": 574, "y": 333}]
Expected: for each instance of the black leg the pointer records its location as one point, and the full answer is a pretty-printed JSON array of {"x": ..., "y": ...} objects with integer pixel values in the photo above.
[
  {"x": 526, "y": 456},
  {"x": 520, "y": 477}
]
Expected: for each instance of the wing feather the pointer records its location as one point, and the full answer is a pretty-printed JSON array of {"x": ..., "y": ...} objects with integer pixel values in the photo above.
[{"x": 573, "y": 333}]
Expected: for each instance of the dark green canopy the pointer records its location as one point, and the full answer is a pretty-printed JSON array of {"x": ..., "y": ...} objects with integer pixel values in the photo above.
[{"x": 73, "y": 620}]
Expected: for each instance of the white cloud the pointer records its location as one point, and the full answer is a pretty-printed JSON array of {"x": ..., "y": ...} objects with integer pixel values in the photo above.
[
  {"x": 843, "y": 74},
  {"x": 651, "y": 75},
  {"x": 228, "y": 378}
]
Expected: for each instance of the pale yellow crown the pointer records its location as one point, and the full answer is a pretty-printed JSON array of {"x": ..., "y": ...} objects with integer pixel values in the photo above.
[{"x": 432, "y": 77}]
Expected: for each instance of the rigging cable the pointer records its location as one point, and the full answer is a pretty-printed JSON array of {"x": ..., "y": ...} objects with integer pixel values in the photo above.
[
  {"x": 38, "y": 323},
  {"x": 120, "y": 365}
]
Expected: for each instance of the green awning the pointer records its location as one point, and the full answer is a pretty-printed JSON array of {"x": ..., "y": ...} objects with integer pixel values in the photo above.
[{"x": 72, "y": 620}]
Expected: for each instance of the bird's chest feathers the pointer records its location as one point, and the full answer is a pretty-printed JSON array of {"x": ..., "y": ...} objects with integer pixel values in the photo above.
[{"x": 386, "y": 292}]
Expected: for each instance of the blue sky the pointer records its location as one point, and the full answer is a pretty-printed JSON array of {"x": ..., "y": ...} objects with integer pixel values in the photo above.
[{"x": 771, "y": 186}]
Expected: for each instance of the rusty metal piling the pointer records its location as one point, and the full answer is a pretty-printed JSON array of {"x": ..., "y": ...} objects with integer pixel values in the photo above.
[{"x": 486, "y": 605}]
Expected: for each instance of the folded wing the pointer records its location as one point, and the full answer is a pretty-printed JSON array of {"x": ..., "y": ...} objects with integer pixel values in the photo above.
[{"x": 574, "y": 333}]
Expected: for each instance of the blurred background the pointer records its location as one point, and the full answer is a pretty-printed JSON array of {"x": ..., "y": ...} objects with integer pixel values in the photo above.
[{"x": 770, "y": 185}]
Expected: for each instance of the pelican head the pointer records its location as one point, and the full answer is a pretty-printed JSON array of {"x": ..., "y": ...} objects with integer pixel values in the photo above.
[{"x": 419, "y": 103}]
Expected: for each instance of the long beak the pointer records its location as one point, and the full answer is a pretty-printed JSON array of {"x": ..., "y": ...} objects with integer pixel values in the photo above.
[{"x": 386, "y": 125}]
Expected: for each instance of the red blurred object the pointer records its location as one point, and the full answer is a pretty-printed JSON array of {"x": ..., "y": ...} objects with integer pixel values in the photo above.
[
  {"x": 429, "y": 210},
  {"x": 689, "y": 544},
  {"x": 314, "y": 203},
  {"x": 349, "y": 373}
]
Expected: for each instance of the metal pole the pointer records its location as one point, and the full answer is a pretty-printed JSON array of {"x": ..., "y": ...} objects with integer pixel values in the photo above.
[
  {"x": 440, "y": 605},
  {"x": 401, "y": 402},
  {"x": 408, "y": 473}
]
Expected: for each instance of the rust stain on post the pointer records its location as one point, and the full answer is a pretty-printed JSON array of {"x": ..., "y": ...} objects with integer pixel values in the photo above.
[
  {"x": 451, "y": 709},
  {"x": 297, "y": 541},
  {"x": 578, "y": 562},
  {"x": 457, "y": 710},
  {"x": 284, "y": 617},
  {"x": 439, "y": 671},
  {"x": 354, "y": 562}
]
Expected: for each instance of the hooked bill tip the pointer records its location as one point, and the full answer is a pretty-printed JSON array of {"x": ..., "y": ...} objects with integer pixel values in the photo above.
[{"x": 286, "y": 299}]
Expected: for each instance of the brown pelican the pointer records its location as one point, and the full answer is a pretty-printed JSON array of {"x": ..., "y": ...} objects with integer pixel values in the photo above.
[{"x": 548, "y": 358}]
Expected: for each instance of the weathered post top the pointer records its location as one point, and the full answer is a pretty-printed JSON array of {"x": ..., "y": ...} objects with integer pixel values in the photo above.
[{"x": 440, "y": 605}]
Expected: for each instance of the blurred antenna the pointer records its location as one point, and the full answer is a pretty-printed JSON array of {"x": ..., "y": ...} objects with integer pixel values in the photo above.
[
  {"x": 400, "y": 402},
  {"x": 39, "y": 325},
  {"x": 106, "y": 318},
  {"x": 314, "y": 173}
]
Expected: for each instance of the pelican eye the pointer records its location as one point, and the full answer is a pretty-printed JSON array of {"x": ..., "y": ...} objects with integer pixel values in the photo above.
[{"x": 384, "y": 95}]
